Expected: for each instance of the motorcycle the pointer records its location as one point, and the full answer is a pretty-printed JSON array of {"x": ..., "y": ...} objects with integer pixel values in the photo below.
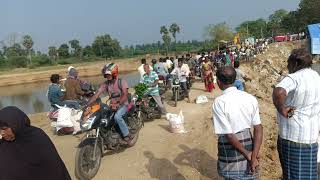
[
  {"x": 147, "y": 108},
  {"x": 53, "y": 113},
  {"x": 103, "y": 135},
  {"x": 176, "y": 90}
]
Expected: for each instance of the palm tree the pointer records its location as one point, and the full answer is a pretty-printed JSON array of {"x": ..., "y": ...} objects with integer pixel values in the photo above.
[
  {"x": 174, "y": 29},
  {"x": 28, "y": 43},
  {"x": 165, "y": 37}
]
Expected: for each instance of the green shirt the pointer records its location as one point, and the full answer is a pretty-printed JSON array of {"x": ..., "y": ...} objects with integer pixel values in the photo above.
[{"x": 148, "y": 80}]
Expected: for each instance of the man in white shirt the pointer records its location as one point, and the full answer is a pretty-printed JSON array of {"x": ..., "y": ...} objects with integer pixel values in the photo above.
[
  {"x": 234, "y": 113},
  {"x": 141, "y": 68},
  {"x": 182, "y": 71},
  {"x": 297, "y": 99}
]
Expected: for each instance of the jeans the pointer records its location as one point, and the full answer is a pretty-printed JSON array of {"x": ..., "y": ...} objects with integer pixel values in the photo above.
[{"x": 118, "y": 117}]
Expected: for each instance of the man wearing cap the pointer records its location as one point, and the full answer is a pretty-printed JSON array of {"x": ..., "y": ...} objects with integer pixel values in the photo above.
[{"x": 72, "y": 86}]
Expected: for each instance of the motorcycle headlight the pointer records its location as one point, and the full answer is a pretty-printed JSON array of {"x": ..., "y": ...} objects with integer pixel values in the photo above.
[{"x": 176, "y": 81}]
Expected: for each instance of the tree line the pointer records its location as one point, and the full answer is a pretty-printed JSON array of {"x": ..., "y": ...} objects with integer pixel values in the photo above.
[{"x": 278, "y": 23}]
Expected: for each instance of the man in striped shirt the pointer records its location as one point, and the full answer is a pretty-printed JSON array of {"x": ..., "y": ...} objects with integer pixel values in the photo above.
[
  {"x": 297, "y": 99},
  {"x": 150, "y": 78}
]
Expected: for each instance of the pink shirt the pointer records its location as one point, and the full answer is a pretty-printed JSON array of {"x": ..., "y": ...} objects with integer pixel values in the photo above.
[{"x": 113, "y": 88}]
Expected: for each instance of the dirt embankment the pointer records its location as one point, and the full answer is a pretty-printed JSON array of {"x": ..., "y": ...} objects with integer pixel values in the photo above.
[{"x": 24, "y": 75}]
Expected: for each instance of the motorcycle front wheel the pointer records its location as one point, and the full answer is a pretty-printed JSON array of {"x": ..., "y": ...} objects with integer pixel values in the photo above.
[
  {"x": 87, "y": 166},
  {"x": 176, "y": 96}
]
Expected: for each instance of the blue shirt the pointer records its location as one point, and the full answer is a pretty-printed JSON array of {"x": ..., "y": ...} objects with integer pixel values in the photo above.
[
  {"x": 54, "y": 94},
  {"x": 160, "y": 69},
  {"x": 149, "y": 79}
]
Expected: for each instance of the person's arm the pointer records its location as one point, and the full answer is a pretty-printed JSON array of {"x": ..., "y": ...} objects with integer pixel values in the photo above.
[
  {"x": 238, "y": 146},
  {"x": 257, "y": 141},
  {"x": 124, "y": 96},
  {"x": 124, "y": 92},
  {"x": 78, "y": 88},
  {"x": 279, "y": 96},
  {"x": 96, "y": 95}
]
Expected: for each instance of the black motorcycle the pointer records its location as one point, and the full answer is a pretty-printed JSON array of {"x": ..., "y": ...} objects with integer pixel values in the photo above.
[
  {"x": 103, "y": 134},
  {"x": 148, "y": 108}
]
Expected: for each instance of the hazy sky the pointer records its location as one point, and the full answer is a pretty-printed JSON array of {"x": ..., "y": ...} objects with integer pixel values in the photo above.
[{"x": 52, "y": 22}]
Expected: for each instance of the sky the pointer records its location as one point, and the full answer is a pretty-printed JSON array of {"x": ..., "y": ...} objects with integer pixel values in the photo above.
[{"x": 53, "y": 22}]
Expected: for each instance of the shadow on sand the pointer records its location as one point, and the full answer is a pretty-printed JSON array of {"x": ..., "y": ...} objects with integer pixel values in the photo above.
[
  {"x": 161, "y": 168},
  {"x": 199, "y": 160}
]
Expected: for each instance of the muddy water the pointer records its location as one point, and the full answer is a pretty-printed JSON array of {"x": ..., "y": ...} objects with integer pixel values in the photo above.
[{"x": 31, "y": 98}]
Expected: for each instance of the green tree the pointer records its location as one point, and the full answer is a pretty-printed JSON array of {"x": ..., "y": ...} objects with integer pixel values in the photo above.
[
  {"x": 218, "y": 32},
  {"x": 308, "y": 13},
  {"x": 15, "y": 50},
  {"x": 87, "y": 51},
  {"x": 174, "y": 29},
  {"x": 165, "y": 37},
  {"x": 53, "y": 52},
  {"x": 77, "y": 50},
  {"x": 105, "y": 46},
  {"x": 28, "y": 43},
  {"x": 63, "y": 51},
  {"x": 256, "y": 28},
  {"x": 275, "y": 21}
]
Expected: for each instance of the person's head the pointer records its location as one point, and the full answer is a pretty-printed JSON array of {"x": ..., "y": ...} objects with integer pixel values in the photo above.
[
  {"x": 226, "y": 77},
  {"x": 236, "y": 64},
  {"x": 12, "y": 123},
  {"x": 171, "y": 58},
  {"x": 73, "y": 73},
  {"x": 160, "y": 59},
  {"x": 55, "y": 78},
  {"x": 180, "y": 62},
  {"x": 110, "y": 71},
  {"x": 146, "y": 68},
  {"x": 154, "y": 61},
  {"x": 70, "y": 67},
  {"x": 188, "y": 56},
  {"x": 299, "y": 59},
  {"x": 143, "y": 61}
]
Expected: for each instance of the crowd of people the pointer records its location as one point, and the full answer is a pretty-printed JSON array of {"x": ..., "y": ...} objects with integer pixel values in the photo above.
[{"x": 235, "y": 112}]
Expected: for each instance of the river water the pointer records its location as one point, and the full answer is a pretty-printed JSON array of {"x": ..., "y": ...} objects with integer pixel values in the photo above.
[{"x": 31, "y": 98}]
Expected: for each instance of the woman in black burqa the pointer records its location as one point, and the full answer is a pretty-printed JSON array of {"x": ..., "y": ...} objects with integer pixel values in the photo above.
[{"x": 26, "y": 152}]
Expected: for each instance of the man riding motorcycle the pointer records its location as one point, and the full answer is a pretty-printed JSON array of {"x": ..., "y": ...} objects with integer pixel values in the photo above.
[
  {"x": 150, "y": 78},
  {"x": 182, "y": 71},
  {"x": 117, "y": 90}
]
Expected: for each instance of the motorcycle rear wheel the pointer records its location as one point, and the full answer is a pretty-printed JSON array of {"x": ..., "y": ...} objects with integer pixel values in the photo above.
[{"x": 86, "y": 167}]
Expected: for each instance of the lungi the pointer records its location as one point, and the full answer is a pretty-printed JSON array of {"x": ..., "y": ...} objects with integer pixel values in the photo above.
[
  {"x": 231, "y": 163},
  {"x": 298, "y": 161}
]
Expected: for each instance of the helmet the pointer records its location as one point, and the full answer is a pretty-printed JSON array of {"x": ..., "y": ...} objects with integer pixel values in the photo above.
[
  {"x": 111, "y": 69},
  {"x": 153, "y": 61}
]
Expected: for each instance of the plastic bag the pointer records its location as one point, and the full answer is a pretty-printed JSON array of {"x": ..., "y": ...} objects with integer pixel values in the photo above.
[
  {"x": 176, "y": 122},
  {"x": 75, "y": 119},
  {"x": 201, "y": 99},
  {"x": 64, "y": 118}
]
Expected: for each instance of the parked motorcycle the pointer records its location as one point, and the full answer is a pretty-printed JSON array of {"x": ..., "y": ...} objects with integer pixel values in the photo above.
[
  {"x": 102, "y": 135},
  {"x": 176, "y": 89}
]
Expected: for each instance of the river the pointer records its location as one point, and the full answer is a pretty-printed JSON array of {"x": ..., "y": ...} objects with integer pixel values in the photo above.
[{"x": 31, "y": 98}]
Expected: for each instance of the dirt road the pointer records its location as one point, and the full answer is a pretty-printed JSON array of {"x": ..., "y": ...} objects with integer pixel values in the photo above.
[{"x": 158, "y": 154}]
